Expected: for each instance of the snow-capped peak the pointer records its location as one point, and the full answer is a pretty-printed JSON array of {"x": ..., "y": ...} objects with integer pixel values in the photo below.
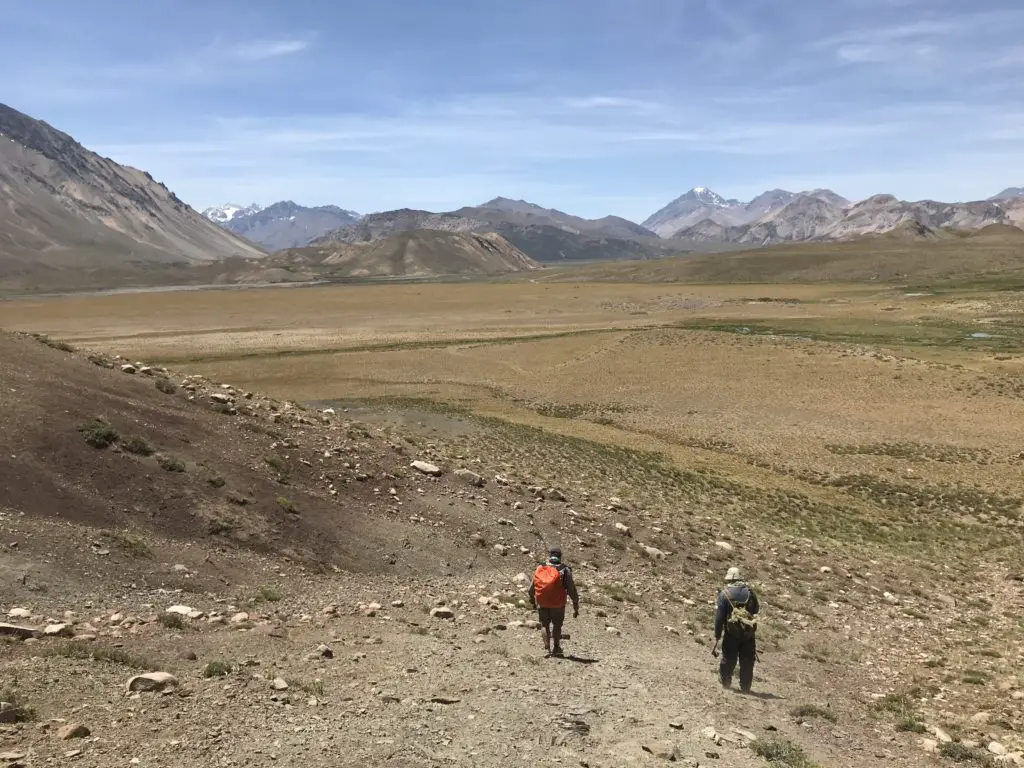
[
  {"x": 705, "y": 195},
  {"x": 225, "y": 213}
]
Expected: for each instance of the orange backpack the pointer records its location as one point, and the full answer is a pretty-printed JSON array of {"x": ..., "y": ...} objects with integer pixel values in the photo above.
[{"x": 548, "y": 589}]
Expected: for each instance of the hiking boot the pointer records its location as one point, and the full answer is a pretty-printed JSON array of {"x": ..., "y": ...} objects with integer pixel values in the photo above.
[{"x": 557, "y": 652}]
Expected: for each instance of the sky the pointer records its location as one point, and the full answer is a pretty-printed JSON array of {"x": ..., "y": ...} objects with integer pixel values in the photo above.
[{"x": 594, "y": 107}]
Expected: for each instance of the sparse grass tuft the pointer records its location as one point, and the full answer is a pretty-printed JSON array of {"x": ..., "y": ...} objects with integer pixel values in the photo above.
[
  {"x": 173, "y": 621},
  {"x": 219, "y": 527},
  {"x": 170, "y": 463},
  {"x": 287, "y": 505},
  {"x": 217, "y": 669},
  {"x": 268, "y": 595},
  {"x": 133, "y": 546},
  {"x": 98, "y": 433},
  {"x": 807, "y": 711},
  {"x": 99, "y": 653},
  {"x": 61, "y": 346},
  {"x": 139, "y": 446},
  {"x": 215, "y": 481},
  {"x": 782, "y": 754},
  {"x": 314, "y": 688}
]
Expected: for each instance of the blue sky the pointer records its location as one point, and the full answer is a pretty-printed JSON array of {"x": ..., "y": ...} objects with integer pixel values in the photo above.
[{"x": 590, "y": 106}]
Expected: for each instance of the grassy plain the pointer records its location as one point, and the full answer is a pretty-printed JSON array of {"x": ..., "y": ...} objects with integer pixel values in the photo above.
[{"x": 850, "y": 392}]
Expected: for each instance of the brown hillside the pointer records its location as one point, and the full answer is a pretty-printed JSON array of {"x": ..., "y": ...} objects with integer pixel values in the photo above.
[
  {"x": 419, "y": 253},
  {"x": 911, "y": 252}
]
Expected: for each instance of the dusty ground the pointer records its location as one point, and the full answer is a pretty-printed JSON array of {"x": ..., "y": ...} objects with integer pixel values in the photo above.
[{"x": 862, "y": 462}]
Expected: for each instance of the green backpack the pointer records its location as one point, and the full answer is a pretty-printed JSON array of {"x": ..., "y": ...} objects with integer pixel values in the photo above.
[{"x": 740, "y": 621}]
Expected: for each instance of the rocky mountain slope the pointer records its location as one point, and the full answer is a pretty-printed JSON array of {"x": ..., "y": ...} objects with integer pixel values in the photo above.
[
  {"x": 66, "y": 208},
  {"x": 544, "y": 234},
  {"x": 415, "y": 253},
  {"x": 282, "y": 225},
  {"x": 1010, "y": 193}
]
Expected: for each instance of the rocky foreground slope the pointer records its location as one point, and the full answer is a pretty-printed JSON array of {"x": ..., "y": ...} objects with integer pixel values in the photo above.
[
  {"x": 323, "y": 587},
  {"x": 66, "y": 208}
]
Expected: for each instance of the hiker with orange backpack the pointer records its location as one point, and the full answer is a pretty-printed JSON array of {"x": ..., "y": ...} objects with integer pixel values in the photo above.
[{"x": 551, "y": 589}]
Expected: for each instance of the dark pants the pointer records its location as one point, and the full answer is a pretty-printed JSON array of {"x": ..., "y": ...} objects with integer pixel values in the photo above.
[
  {"x": 741, "y": 648},
  {"x": 552, "y": 619}
]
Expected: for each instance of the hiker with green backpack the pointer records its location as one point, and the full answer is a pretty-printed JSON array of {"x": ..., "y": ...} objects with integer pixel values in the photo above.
[{"x": 736, "y": 628}]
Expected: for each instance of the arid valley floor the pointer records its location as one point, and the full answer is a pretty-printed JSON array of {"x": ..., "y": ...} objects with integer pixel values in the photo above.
[{"x": 857, "y": 449}]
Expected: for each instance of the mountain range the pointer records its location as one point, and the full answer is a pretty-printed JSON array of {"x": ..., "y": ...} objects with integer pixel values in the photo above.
[{"x": 281, "y": 225}]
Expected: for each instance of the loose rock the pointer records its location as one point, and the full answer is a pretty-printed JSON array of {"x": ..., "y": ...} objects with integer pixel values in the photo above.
[
  {"x": 470, "y": 477},
  {"x": 442, "y": 613},
  {"x": 427, "y": 468},
  {"x": 72, "y": 731},
  {"x": 153, "y": 681}
]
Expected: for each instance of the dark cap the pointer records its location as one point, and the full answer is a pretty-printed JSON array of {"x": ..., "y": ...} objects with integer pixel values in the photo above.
[{"x": 555, "y": 551}]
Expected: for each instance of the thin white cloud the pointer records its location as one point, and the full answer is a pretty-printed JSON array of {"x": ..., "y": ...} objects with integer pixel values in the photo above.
[{"x": 260, "y": 50}]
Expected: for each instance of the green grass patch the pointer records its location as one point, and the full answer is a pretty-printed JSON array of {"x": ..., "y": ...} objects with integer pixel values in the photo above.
[
  {"x": 217, "y": 669},
  {"x": 287, "y": 505}
]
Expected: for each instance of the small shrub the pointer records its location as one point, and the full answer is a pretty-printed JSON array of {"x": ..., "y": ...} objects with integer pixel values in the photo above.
[
  {"x": 807, "y": 711},
  {"x": 132, "y": 546},
  {"x": 215, "y": 481},
  {"x": 139, "y": 446},
  {"x": 237, "y": 499},
  {"x": 909, "y": 723},
  {"x": 173, "y": 621},
  {"x": 218, "y": 527},
  {"x": 287, "y": 505},
  {"x": 960, "y": 753},
  {"x": 170, "y": 463},
  {"x": 166, "y": 386},
  {"x": 268, "y": 595},
  {"x": 98, "y": 433},
  {"x": 784, "y": 754},
  {"x": 217, "y": 669}
]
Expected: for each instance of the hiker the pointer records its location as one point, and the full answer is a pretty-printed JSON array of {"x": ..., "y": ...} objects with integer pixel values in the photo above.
[
  {"x": 736, "y": 627},
  {"x": 551, "y": 588}
]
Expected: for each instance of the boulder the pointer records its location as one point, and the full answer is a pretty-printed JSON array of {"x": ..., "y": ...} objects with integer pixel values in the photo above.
[
  {"x": 19, "y": 613},
  {"x": 220, "y": 397},
  {"x": 152, "y": 681},
  {"x": 427, "y": 468},
  {"x": 72, "y": 731},
  {"x": 17, "y": 630},
  {"x": 724, "y": 545},
  {"x": 442, "y": 612},
  {"x": 470, "y": 477},
  {"x": 239, "y": 618},
  {"x": 654, "y": 553},
  {"x": 128, "y": 368},
  {"x": 623, "y": 529},
  {"x": 58, "y": 630},
  {"x": 279, "y": 684},
  {"x": 186, "y": 611},
  {"x": 555, "y": 495}
]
